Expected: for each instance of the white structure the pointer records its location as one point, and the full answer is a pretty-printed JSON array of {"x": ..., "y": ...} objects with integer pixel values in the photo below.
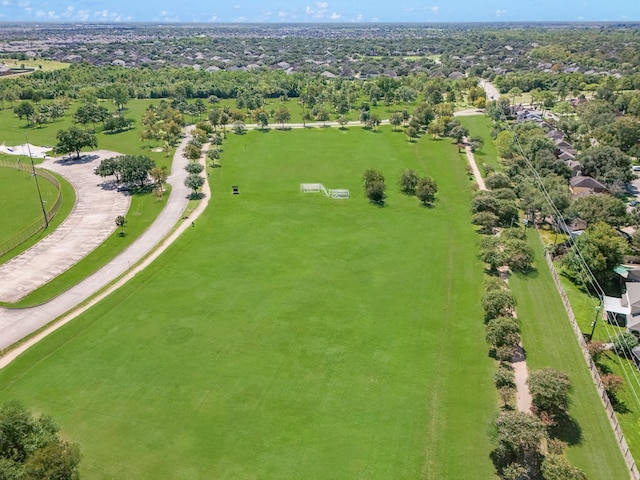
[
  {"x": 339, "y": 193},
  {"x": 318, "y": 187}
]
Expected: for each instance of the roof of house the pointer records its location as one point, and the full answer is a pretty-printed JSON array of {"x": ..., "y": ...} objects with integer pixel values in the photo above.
[
  {"x": 567, "y": 156},
  {"x": 632, "y": 297},
  {"x": 586, "y": 182}
]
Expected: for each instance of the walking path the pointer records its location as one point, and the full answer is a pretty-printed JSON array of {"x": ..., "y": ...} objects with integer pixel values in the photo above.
[
  {"x": 519, "y": 362},
  {"x": 17, "y": 324},
  {"x": 88, "y": 225}
]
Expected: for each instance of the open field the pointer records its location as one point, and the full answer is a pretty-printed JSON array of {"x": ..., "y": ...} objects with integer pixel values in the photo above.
[
  {"x": 549, "y": 341},
  {"x": 68, "y": 201},
  {"x": 288, "y": 335},
  {"x": 20, "y": 206},
  {"x": 37, "y": 63}
]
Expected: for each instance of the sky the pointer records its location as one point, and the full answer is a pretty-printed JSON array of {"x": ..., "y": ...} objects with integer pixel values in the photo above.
[{"x": 283, "y": 11}]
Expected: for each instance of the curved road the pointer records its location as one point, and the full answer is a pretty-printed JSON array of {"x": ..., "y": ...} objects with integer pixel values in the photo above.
[{"x": 17, "y": 324}]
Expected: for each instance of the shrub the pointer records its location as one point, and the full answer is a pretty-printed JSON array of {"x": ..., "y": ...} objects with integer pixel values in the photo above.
[
  {"x": 408, "y": 181},
  {"x": 505, "y": 376},
  {"x": 498, "y": 303},
  {"x": 549, "y": 390},
  {"x": 503, "y": 332}
]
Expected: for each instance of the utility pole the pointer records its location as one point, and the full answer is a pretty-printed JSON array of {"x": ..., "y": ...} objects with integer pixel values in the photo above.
[
  {"x": 35, "y": 176},
  {"x": 593, "y": 324}
]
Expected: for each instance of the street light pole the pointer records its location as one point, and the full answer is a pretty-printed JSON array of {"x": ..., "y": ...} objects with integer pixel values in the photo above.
[
  {"x": 593, "y": 324},
  {"x": 35, "y": 176}
]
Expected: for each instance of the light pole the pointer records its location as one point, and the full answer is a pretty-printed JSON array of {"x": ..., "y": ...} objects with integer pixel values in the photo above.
[
  {"x": 593, "y": 324},
  {"x": 35, "y": 176}
]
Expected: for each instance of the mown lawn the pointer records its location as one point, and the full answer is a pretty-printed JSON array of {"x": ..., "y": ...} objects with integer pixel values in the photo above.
[
  {"x": 16, "y": 212},
  {"x": 549, "y": 341},
  {"x": 480, "y": 126},
  {"x": 20, "y": 207},
  {"x": 288, "y": 335}
]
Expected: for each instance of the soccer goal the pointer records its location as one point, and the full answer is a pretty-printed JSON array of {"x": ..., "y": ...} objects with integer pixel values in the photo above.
[
  {"x": 339, "y": 193},
  {"x": 312, "y": 188}
]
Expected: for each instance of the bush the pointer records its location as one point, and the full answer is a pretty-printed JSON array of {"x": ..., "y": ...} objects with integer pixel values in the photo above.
[
  {"x": 503, "y": 332},
  {"x": 557, "y": 467},
  {"x": 498, "y": 303},
  {"x": 505, "y": 377},
  {"x": 549, "y": 390},
  {"x": 426, "y": 190},
  {"x": 623, "y": 342},
  {"x": 374, "y": 186},
  {"x": 408, "y": 181},
  {"x": 193, "y": 167}
]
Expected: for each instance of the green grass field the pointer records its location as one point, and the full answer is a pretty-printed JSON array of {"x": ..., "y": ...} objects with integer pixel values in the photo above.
[
  {"x": 288, "y": 335},
  {"x": 549, "y": 340},
  {"x": 480, "y": 126},
  {"x": 20, "y": 207}
]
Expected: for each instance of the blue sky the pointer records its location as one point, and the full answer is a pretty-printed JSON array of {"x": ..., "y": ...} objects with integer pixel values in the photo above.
[{"x": 277, "y": 11}]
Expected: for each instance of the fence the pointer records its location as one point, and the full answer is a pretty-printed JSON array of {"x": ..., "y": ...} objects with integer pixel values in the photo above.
[
  {"x": 631, "y": 464},
  {"x": 40, "y": 224}
]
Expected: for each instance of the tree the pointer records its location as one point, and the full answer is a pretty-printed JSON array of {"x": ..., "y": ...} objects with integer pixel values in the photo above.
[
  {"x": 408, "y": 181},
  {"x": 134, "y": 168},
  {"x": 74, "y": 140},
  {"x": 487, "y": 221},
  {"x": 115, "y": 124},
  {"x": 374, "y": 186},
  {"x": 120, "y": 222},
  {"x": 107, "y": 167},
  {"x": 192, "y": 152},
  {"x": 498, "y": 303},
  {"x": 194, "y": 167},
  {"x": 426, "y": 190},
  {"x": 557, "y": 467},
  {"x": 520, "y": 436},
  {"x": 25, "y": 110},
  {"x": 496, "y": 180},
  {"x": 396, "y": 120},
  {"x": 435, "y": 128},
  {"x": 599, "y": 208},
  {"x": 323, "y": 116},
  {"x": 458, "y": 132},
  {"x": 283, "y": 115},
  {"x": 549, "y": 390},
  {"x": 503, "y": 332},
  {"x": 623, "y": 343},
  {"x": 261, "y": 117},
  {"x": 601, "y": 248},
  {"x": 194, "y": 182},
  {"x": 411, "y": 133},
  {"x": 31, "y": 449},
  {"x": 607, "y": 164},
  {"x": 159, "y": 177},
  {"x": 342, "y": 120},
  {"x": 55, "y": 461}
]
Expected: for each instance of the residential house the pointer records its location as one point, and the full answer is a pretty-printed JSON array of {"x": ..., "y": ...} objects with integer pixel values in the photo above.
[{"x": 581, "y": 185}]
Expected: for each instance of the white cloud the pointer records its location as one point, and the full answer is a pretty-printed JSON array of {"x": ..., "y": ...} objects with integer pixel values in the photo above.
[
  {"x": 5, "y": 3},
  {"x": 213, "y": 18},
  {"x": 435, "y": 9},
  {"x": 40, "y": 13},
  {"x": 322, "y": 5},
  {"x": 236, "y": 7},
  {"x": 24, "y": 4},
  {"x": 335, "y": 16},
  {"x": 359, "y": 18},
  {"x": 308, "y": 10},
  {"x": 500, "y": 13},
  {"x": 83, "y": 15},
  {"x": 410, "y": 9}
]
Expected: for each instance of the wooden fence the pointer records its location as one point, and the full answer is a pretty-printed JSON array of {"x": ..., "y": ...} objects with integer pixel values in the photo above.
[
  {"x": 631, "y": 464},
  {"x": 40, "y": 224}
]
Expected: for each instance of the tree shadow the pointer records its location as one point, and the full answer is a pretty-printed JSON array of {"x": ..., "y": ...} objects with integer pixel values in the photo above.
[
  {"x": 619, "y": 406},
  {"x": 196, "y": 196},
  {"x": 66, "y": 161},
  {"x": 566, "y": 429}
]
